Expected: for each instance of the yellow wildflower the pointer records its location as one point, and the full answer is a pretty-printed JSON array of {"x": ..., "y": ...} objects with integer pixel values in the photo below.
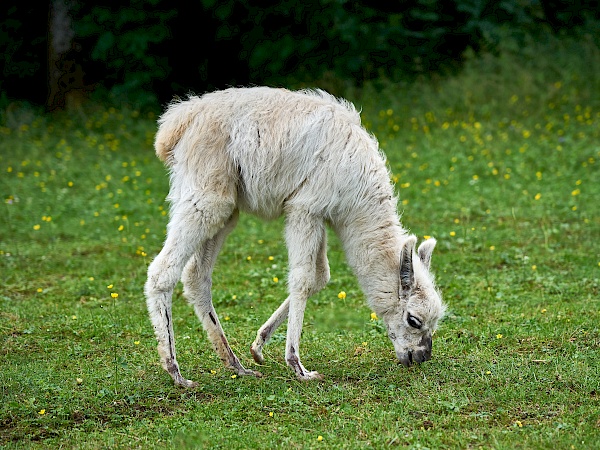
[{"x": 342, "y": 295}]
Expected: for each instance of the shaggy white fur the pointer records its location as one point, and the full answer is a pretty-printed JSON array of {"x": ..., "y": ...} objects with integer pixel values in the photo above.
[{"x": 303, "y": 154}]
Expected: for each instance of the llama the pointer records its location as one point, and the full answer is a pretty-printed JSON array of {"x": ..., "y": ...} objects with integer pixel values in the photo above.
[{"x": 304, "y": 154}]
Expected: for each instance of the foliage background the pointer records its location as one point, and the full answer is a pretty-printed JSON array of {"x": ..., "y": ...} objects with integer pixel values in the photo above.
[{"x": 145, "y": 51}]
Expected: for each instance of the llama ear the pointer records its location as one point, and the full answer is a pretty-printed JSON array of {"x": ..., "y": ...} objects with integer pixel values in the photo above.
[
  {"x": 407, "y": 274},
  {"x": 425, "y": 251}
]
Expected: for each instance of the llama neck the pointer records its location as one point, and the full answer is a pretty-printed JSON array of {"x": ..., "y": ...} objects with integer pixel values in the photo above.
[{"x": 372, "y": 245}]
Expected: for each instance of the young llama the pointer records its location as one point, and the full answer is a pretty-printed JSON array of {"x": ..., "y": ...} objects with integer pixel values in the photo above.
[{"x": 304, "y": 154}]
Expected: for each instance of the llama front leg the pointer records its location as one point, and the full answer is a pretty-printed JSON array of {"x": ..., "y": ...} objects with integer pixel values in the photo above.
[
  {"x": 295, "y": 316},
  {"x": 266, "y": 331},
  {"x": 292, "y": 347},
  {"x": 309, "y": 272}
]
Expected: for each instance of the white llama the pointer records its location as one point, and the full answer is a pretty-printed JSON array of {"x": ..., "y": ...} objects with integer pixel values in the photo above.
[{"x": 303, "y": 154}]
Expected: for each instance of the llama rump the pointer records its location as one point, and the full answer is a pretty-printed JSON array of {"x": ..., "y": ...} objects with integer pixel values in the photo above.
[{"x": 303, "y": 154}]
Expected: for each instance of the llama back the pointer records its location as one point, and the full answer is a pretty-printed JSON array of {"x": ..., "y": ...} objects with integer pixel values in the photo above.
[
  {"x": 301, "y": 147},
  {"x": 304, "y": 146},
  {"x": 180, "y": 114},
  {"x": 278, "y": 140}
]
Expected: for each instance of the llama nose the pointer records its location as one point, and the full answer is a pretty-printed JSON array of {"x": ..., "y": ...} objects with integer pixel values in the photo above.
[
  {"x": 409, "y": 358},
  {"x": 420, "y": 356},
  {"x": 405, "y": 358},
  {"x": 425, "y": 344}
]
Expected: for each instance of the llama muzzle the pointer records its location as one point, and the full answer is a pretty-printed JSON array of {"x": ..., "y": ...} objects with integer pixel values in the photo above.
[{"x": 421, "y": 354}]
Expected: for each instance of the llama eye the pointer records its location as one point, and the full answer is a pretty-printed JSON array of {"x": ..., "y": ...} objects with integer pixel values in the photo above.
[{"x": 413, "y": 321}]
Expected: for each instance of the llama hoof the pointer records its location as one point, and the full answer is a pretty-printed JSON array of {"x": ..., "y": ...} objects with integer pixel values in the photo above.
[
  {"x": 187, "y": 384},
  {"x": 250, "y": 373},
  {"x": 257, "y": 355},
  {"x": 307, "y": 376},
  {"x": 243, "y": 372}
]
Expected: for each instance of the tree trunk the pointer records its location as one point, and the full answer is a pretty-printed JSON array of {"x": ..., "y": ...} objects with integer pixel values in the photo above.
[{"x": 65, "y": 76}]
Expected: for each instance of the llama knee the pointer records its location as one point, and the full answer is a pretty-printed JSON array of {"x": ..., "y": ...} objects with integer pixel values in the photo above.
[
  {"x": 323, "y": 277},
  {"x": 196, "y": 285},
  {"x": 306, "y": 281},
  {"x": 161, "y": 278},
  {"x": 190, "y": 274}
]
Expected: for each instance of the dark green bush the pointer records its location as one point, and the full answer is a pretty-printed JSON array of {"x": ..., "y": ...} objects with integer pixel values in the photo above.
[{"x": 148, "y": 50}]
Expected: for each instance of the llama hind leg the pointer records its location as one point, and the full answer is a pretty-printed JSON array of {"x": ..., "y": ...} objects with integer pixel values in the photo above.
[
  {"x": 266, "y": 331},
  {"x": 191, "y": 225},
  {"x": 197, "y": 282},
  {"x": 163, "y": 274}
]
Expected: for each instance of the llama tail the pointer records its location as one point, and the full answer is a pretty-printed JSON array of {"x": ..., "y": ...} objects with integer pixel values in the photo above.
[{"x": 171, "y": 127}]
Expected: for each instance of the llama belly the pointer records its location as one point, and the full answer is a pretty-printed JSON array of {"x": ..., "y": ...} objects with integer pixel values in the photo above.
[
  {"x": 264, "y": 206},
  {"x": 267, "y": 196}
]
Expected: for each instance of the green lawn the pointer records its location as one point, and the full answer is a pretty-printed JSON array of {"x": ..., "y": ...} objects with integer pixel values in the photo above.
[{"x": 511, "y": 193}]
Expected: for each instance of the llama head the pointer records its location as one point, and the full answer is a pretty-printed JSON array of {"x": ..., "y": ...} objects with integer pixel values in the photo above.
[{"x": 411, "y": 324}]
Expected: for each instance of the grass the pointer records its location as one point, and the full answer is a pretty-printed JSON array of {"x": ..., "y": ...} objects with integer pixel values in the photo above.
[{"x": 510, "y": 192}]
